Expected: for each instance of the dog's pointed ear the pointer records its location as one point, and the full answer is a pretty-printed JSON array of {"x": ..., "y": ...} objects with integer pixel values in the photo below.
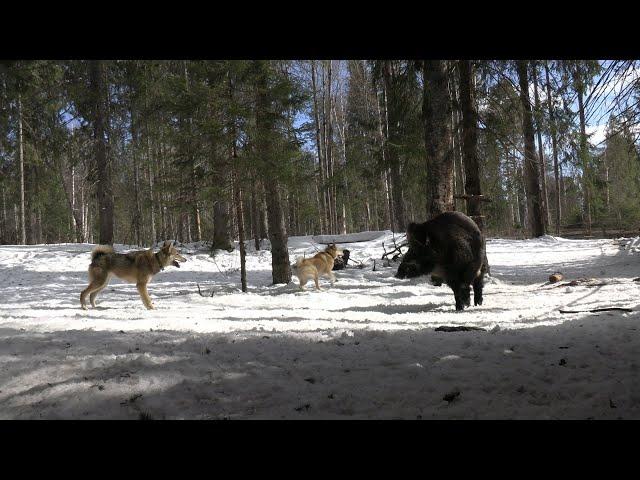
[{"x": 166, "y": 243}]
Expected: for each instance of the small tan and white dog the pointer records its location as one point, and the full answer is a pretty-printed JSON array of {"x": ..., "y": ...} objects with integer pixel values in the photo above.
[{"x": 320, "y": 264}]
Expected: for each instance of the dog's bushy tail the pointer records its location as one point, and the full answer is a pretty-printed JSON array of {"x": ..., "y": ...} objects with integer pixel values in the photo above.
[{"x": 100, "y": 250}]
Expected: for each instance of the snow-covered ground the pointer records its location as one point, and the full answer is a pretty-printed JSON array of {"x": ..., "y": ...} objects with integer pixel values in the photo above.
[{"x": 363, "y": 348}]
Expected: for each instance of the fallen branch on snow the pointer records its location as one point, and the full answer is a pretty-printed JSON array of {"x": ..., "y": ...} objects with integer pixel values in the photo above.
[
  {"x": 459, "y": 329},
  {"x": 595, "y": 310}
]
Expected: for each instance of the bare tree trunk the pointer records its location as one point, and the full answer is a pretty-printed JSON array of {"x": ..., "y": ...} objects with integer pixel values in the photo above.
[
  {"x": 100, "y": 122},
  {"x": 23, "y": 233},
  {"x": 531, "y": 167},
  {"x": 554, "y": 147},
  {"x": 439, "y": 159},
  {"x": 543, "y": 168}
]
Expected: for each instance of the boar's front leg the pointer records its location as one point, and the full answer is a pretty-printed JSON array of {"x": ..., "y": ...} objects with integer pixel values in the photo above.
[{"x": 478, "y": 283}]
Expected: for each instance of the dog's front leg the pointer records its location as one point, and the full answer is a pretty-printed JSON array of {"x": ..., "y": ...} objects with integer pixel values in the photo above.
[{"x": 144, "y": 294}]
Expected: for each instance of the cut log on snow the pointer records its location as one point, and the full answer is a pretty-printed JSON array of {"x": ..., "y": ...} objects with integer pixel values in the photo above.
[
  {"x": 582, "y": 282},
  {"x": 348, "y": 238}
]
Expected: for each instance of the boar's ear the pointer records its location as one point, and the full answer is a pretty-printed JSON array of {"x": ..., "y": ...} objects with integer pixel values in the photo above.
[
  {"x": 411, "y": 229},
  {"x": 417, "y": 233}
]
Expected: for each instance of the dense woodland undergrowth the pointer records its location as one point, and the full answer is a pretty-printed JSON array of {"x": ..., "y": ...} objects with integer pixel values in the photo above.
[{"x": 140, "y": 151}]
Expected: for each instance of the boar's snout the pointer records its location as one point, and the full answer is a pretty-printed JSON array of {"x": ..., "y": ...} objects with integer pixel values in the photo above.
[{"x": 408, "y": 270}]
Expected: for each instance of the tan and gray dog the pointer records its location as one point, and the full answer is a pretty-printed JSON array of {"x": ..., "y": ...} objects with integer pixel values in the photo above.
[
  {"x": 137, "y": 267},
  {"x": 320, "y": 264}
]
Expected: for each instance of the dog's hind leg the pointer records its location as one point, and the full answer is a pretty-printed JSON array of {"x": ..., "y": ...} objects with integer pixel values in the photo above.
[
  {"x": 94, "y": 294},
  {"x": 97, "y": 277},
  {"x": 93, "y": 286},
  {"x": 144, "y": 295}
]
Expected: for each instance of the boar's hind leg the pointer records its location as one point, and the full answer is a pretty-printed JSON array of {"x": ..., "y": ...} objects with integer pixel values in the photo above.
[{"x": 478, "y": 283}]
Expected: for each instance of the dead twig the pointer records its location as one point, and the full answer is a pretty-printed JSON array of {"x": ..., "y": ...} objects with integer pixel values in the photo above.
[
  {"x": 397, "y": 248},
  {"x": 202, "y": 294}
]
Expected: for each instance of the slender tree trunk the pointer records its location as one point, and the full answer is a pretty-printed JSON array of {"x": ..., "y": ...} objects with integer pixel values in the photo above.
[
  {"x": 75, "y": 215},
  {"x": 100, "y": 122},
  {"x": 152, "y": 205},
  {"x": 393, "y": 145},
  {"x": 388, "y": 211},
  {"x": 193, "y": 188},
  {"x": 281, "y": 269},
  {"x": 262, "y": 204},
  {"x": 5, "y": 235},
  {"x": 606, "y": 182},
  {"x": 554, "y": 147},
  {"x": 237, "y": 194},
  {"x": 255, "y": 215},
  {"x": 329, "y": 151},
  {"x": 23, "y": 233},
  {"x": 221, "y": 236},
  {"x": 16, "y": 223},
  {"x": 323, "y": 207},
  {"x": 439, "y": 157},
  {"x": 543, "y": 168},
  {"x": 531, "y": 167},
  {"x": 469, "y": 141},
  {"x": 584, "y": 152},
  {"x": 137, "y": 213}
]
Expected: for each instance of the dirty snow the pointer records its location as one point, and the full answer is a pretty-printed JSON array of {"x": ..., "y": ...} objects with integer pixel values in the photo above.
[{"x": 364, "y": 348}]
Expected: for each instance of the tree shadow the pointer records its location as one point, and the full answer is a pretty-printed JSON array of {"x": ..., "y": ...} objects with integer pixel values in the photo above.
[{"x": 340, "y": 374}]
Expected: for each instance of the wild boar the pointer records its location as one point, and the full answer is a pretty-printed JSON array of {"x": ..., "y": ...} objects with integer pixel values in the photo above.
[{"x": 449, "y": 246}]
